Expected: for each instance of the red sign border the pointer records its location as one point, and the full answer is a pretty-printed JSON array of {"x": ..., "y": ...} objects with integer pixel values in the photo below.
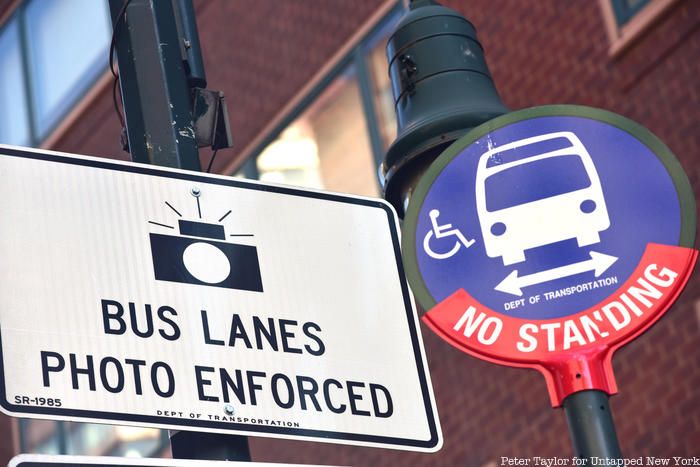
[{"x": 586, "y": 367}]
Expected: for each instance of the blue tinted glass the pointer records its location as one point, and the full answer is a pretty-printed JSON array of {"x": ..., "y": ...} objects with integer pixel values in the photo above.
[
  {"x": 536, "y": 180},
  {"x": 626, "y": 9},
  {"x": 14, "y": 122},
  {"x": 68, "y": 45}
]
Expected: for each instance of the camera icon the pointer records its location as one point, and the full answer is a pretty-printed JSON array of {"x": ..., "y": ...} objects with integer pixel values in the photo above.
[{"x": 200, "y": 256}]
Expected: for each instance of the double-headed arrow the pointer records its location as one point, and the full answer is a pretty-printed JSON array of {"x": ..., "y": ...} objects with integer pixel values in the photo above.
[{"x": 598, "y": 263}]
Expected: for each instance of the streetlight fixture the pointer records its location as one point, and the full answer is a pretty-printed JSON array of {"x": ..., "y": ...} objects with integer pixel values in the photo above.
[{"x": 442, "y": 88}]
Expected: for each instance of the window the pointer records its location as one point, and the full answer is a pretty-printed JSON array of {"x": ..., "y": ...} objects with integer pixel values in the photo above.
[
  {"x": 327, "y": 146},
  {"x": 68, "y": 46},
  {"x": 627, "y": 20},
  {"x": 14, "y": 124},
  {"x": 48, "y": 437},
  {"x": 337, "y": 136},
  {"x": 40, "y": 436},
  {"x": 51, "y": 53}
]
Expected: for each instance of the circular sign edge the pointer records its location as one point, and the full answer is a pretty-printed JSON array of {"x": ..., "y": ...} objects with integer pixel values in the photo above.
[{"x": 686, "y": 198}]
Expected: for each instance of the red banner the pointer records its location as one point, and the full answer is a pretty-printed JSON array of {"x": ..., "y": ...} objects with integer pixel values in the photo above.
[{"x": 573, "y": 352}]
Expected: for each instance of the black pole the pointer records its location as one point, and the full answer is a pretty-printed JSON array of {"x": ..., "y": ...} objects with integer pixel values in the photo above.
[
  {"x": 208, "y": 446},
  {"x": 153, "y": 82},
  {"x": 591, "y": 426},
  {"x": 157, "y": 101}
]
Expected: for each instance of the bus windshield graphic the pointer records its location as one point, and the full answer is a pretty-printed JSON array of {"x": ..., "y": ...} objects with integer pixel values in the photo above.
[
  {"x": 535, "y": 180},
  {"x": 538, "y": 191}
]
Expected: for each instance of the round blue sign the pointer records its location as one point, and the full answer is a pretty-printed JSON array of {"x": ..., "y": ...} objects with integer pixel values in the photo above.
[{"x": 542, "y": 217}]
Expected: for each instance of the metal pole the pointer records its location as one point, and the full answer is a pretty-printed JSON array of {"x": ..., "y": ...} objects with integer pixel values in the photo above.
[
  {"x": 591, "y": 426},
  {"x": 209, "y": 446},
  {"x": 154, "y": 86},
  {"x": 158, "y": 110}
]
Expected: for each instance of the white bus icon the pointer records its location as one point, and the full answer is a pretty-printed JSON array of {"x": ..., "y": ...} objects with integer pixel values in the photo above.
[{"x": 538, "y": 191}]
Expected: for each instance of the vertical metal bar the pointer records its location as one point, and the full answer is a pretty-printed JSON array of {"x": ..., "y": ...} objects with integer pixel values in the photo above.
[
  {"x": 158, "y": 112},
  {"x": 591, "y": 426},
  {"x": 22, "y": 428},
  {"x": 154, "y": 85},
  {"x": 61, "y": 438},
  {"x": 163, "y": 439},
  {"x": 34, "y": 137},
  {"x": 366, "y": 93}
]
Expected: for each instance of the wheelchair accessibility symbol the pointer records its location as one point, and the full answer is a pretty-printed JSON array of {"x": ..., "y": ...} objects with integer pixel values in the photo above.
[{"x": 441, "y": 232}]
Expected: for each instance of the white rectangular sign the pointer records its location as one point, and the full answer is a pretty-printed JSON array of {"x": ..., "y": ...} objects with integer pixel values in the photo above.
[
  {"x": 40, "y": 460},
  {"x": 157, "y": 297}
]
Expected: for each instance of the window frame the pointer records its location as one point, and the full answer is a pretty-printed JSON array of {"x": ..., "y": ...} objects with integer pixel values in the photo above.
[
  {"x": 13, "y": 19},
  {"x": 353, "y": 54},
  {"x": 622, "y": 36}
]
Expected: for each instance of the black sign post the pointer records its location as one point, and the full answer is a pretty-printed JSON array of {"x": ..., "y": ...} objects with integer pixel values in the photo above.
[
  {"x": 157, "y": 62},
  {"x": 591, "y": 425}
]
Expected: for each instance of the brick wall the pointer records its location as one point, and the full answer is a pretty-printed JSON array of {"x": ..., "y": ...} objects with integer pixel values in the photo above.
[{"x": 260, "y": 53}]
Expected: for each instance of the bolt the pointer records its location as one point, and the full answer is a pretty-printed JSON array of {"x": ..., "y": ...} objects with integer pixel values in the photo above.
[
  {"x": 228, "y": 409},
  {"x": 196, "y": 192},
  {"x": 188, "y": 44}
]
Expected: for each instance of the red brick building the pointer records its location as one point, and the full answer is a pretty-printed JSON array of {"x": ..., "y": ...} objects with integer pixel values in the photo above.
[{"x": 319, "y": 64}]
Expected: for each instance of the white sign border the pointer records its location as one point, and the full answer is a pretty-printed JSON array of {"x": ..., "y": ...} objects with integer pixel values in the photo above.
[{"x": 55, "y": 413}]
